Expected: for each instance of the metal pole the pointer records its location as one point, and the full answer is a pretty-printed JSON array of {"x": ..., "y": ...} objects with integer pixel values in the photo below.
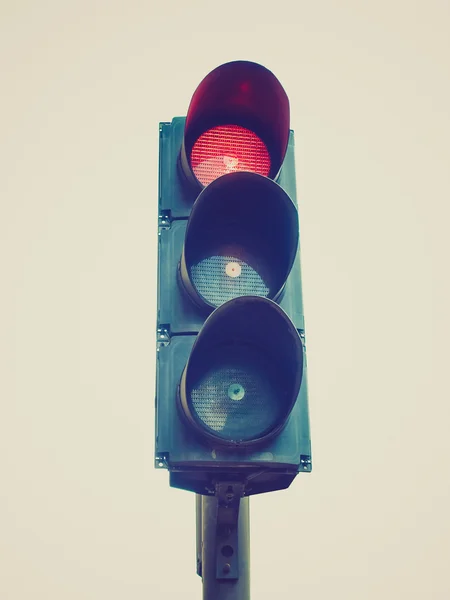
[
  {"x": 216, "y": 587},
  {"x": 198, "y": 532}
]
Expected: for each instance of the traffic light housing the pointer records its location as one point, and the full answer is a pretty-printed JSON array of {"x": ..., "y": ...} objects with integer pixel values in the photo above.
[{"x": 231, "y": 388}]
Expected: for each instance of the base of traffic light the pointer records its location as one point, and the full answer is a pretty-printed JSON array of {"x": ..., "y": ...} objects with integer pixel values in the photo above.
[{"x": 260, "y": 479}]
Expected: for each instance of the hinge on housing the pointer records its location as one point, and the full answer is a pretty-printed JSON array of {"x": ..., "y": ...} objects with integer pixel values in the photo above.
[
  {"x": 162, "y": 461},
  {"x": 301, "y": 333},
  {"x": 305, "y": 463},
  {"x": 164, "y": 220},
  {"x": 162, "y": 336}
]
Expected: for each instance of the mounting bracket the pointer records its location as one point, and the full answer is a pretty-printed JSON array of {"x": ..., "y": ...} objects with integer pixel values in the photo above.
[{"x": 229, "y": 496}]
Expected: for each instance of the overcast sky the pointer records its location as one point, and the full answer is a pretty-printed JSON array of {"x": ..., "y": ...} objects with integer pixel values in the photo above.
[{"x": 83, "y": 513}]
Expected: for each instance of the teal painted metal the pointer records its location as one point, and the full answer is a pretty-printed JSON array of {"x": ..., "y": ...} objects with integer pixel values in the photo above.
[{"x": 192, "y": 462}]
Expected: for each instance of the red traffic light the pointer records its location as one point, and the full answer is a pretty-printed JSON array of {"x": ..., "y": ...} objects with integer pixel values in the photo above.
[
  {"x": 231, "y": 389},
  {"x": 238, "y": 120}
]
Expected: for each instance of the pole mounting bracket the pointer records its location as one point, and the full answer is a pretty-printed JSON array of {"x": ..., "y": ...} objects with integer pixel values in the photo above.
[{"x": 229, "y": 496}]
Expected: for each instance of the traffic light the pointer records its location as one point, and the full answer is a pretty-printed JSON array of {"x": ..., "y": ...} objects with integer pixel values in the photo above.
[{"x": 231, "y": 389}]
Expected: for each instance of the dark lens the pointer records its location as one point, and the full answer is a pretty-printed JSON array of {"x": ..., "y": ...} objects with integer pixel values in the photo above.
[{"x": 239, "y": 396}]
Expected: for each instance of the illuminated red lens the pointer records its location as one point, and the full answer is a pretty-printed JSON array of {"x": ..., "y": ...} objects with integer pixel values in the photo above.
[{"x": 226, "y": 149}]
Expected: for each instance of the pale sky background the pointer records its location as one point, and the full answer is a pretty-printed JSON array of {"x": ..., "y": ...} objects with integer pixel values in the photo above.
[{"x": 83, "y": 86}]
